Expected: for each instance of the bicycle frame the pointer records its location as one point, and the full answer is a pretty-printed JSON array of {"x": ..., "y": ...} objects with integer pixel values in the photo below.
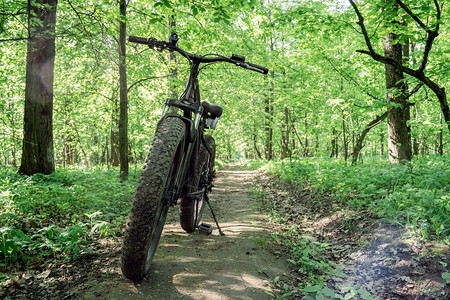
[{"x": 190, "y": 103}]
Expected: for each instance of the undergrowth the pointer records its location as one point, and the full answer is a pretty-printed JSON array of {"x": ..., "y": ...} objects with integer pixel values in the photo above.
[
  {"x": 416, "y": 194},
  {"x": 59, "y": 215}
]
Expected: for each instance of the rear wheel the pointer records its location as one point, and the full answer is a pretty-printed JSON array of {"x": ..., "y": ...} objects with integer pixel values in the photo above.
[
  {"x": 151, "y": 200},
  {"x": 191, "y": 208}
]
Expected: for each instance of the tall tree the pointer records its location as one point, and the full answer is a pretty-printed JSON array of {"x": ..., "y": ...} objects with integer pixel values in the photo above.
[
  {"x": 431, "y": 32},
  {"x": 37, "y": 155},
  {"x": 399, "y": 138},
  {"x": 123, "y": 120}
]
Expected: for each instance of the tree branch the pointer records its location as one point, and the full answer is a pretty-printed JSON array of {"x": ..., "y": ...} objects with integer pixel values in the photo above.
[
  {"x": 362, "y": 26},
  {"x": 347, "y": 77},
  {"x": 415, "y": 90},
  {"x": 14, "y": 39},
  {"x": 432, "y": 34},
  {"x": 409, "y": 12},
  {"x": 419, "y": 73},
  {"x": 438, "y": 13},
  {"x": 145, "y": 79},
  {"x": 360, "y": 140},
  {"x": 20, "y": 11}
]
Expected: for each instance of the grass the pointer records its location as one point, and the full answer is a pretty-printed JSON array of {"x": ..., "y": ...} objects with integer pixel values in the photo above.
[
  {"x": 416, "y": 194},
  {"x": 60, "y": 214}
]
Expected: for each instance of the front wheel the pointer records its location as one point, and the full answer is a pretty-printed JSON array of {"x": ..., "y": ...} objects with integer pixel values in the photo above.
[
  {"x": 151, "y": 200},
  {"x": 191, "y": 208}
]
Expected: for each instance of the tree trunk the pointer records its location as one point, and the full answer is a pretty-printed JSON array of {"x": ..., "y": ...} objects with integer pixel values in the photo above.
[
  {"x": 123, "y": 119},
  {"x": 268, "y": 126},
  {"x": 415, "y": 139},
  {"x": 285, "y": 152},
  {"x": 335, "y": 144},
  {"x": 68, "y": 151},
  {"x": 114, "y": 137},
  {"x": 12, "y": 121},
  {"x": 399, "y": 139},
  {"x": 255, "y": 146},
  {"x": 344, "y": 136},
  {"x": 306, "y": 144},
  {"x": 360, "y": 140},
  {"x": 37, "y": 154},
  {"x": 441, "y": 137}
]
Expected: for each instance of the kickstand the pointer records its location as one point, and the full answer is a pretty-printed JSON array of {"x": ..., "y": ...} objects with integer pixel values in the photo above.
[{"x": 212, "y": 212}]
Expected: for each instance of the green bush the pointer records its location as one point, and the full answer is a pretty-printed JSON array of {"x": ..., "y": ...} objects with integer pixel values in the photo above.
[
  {"x": 417, "y": 193},
  {"x": 59, "y": 214}
]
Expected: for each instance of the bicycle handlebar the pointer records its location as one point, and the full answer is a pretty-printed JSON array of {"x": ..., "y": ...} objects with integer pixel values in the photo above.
[{"x": 235, "y": 59}]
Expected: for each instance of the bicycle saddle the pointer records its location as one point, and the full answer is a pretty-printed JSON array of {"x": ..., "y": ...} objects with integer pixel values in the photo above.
[{"x": 214, "y": 110}]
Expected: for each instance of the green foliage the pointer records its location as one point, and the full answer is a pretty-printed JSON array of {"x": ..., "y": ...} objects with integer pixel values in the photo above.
[
  {"x": 307, "y": 257},
  {"x": 59, "y": 214},
  {"x": 306, "y": 254},
  {"x": 318, "y": 83},
  {"x": 416, "y": 193},
  {"x": 446, "y": 277},
  {"x": 316, "y": 292}
]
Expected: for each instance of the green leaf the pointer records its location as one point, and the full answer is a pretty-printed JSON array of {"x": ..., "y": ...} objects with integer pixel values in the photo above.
[
  {"x": 328, "y": 292},
  {"x": 446, "y": 277},
  {"x": 9, "y": 215},
  {"x": 166, "y": 3},
  {"x": 365, "y": 294},
  {"x": 194, "y": 10},
  {"x": 320, "y": 297},
  {"x": 311, "y": 289},
  {"x": 154, "y": 21}
]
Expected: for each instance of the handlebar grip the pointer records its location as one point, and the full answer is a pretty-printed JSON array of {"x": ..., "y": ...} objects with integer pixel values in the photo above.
[
  {"x": 139, "y": 40},
  {"x": 257, "y": 68}
]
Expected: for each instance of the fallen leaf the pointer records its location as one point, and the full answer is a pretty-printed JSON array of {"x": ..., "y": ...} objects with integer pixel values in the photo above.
[{"x": 44, "y": 274}]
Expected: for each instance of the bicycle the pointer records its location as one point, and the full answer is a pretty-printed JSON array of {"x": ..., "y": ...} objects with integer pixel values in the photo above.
[{"x": 179, "y": 164}]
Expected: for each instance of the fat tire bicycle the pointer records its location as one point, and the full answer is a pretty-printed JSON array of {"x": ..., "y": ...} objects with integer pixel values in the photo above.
[{"x": 179, "y": 164}]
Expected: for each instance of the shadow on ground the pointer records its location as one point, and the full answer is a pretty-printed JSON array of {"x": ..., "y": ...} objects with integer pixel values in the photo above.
[{"x": 195, "y": 266}]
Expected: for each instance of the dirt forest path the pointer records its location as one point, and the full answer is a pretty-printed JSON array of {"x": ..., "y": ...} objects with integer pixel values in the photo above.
[{"x": 195, "y": 266}]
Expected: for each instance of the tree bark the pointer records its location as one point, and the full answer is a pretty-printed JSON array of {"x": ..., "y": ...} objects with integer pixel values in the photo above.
[
  {"x": 268, "y": 125},
  {"x": 115, "y": 160},
  {"x": 37, "y": 154},
  {"x": 68, "y": 155},
  {"x": 123, "y": 118},
  {"x": 335, "y": 144},
  {"x": 255, "y": 146},
  {"x": 344, "y": 136},
  {"x": 306, "y": 144},
  {"x": 399, "y": 138},
  {"x": 285, "y": 152},
  {"x": 441, "y": 137},
  {"x": 419, "y": 73}
]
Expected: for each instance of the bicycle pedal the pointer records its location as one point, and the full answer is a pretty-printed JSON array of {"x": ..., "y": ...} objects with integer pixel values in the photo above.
[{"x": 205, "y": 229}]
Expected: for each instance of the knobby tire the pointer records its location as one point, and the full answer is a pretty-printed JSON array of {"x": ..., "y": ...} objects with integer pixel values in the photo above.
[
  {"x": 190, "y": 208},
  {"x": 149, "y": 206}
]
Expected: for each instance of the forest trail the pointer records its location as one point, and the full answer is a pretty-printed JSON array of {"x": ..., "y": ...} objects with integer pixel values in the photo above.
[{"x": 195, "y": 266}]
